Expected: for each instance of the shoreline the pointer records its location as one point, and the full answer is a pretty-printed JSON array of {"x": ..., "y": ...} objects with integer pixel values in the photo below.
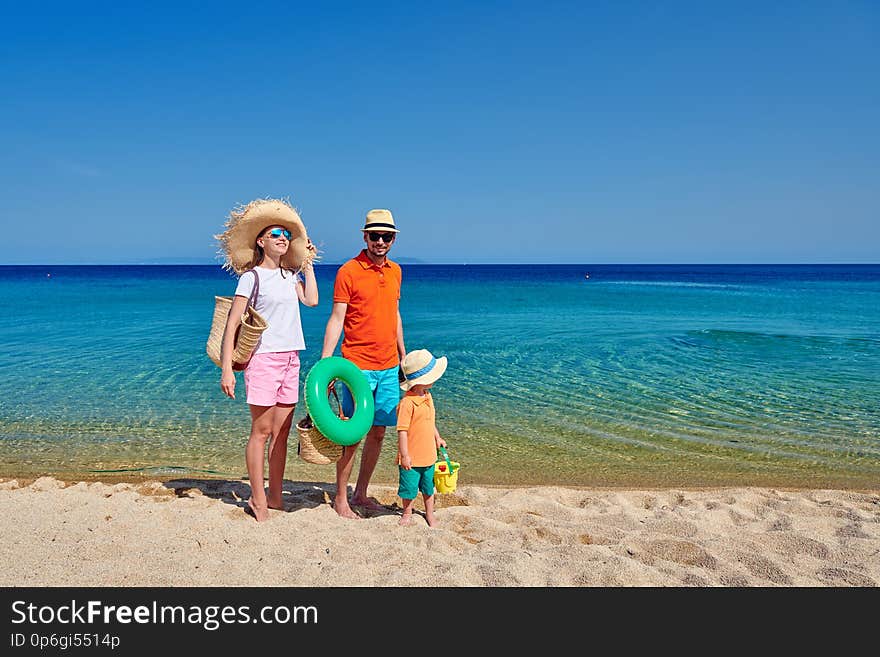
[
  {"x": 138, "y": 480},
  {"x": 298, "y": 472},
  {"x": 190, "y": 531}
]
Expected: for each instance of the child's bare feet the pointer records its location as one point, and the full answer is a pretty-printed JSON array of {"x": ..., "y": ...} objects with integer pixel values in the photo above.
[
  {"x": 405, "y": 519},
  {"x": 261, "y": 514},
  {"x": 431, "y": 519},
  {"x": 278, "y": 504}
]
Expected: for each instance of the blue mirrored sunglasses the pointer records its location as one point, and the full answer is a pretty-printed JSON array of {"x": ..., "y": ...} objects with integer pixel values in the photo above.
[{"x": 278, "y": 232}]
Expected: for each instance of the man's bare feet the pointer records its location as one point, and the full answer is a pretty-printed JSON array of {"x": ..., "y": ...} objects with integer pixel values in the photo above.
[
  {"x": 405, "y": 519},
  {"x": 260, "y": 515},
  {"x": 368, "y": 503},
  {"x": 345, "y": 511}
]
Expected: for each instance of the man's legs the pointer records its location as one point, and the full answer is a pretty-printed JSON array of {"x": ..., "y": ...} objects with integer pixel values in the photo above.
[
  {"x": 369, "y": 459},
  {"x": 343, "y": 472},
  {"x": 386, "y": 396}
]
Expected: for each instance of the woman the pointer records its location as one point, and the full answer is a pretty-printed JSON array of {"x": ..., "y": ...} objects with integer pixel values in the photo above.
[{"x": 266, "y": 244}]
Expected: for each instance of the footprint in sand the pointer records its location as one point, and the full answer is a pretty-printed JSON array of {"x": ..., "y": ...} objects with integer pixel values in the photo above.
[
  {"x": 682, "y": 552},
  {"x": 839, "y": 576},
  {"x": 764, "y": 568},
  {"x": 794, "y": 544}
]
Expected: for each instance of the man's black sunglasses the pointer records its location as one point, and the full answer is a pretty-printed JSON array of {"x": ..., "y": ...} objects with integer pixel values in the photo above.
[{"x": 387, "y": 237}]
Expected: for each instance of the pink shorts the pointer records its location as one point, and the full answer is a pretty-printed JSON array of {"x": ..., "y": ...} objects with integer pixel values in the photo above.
[{"x": 272, "y": 378}]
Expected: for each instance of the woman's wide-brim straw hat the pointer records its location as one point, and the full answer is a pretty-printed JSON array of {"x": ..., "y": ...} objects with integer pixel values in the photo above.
[
  {"x": 238, "y": 243},
  {"x": 421, "y": 368}
]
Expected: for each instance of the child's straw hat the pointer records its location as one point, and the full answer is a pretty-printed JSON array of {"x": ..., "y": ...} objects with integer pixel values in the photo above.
[
  {"x": 238, "y": 243},
  {"x": 421, "y": 368}
]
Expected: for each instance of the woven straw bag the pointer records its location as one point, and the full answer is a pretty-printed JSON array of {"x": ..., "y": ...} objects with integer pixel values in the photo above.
[
  {"x": 246, "y": 336},
  {"x": 314, "y": 446}
]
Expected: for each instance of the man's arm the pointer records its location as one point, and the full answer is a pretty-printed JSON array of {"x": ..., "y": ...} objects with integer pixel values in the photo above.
[
  {"x": 334, "y": 328},
  {"x": 401, "y": 349}
]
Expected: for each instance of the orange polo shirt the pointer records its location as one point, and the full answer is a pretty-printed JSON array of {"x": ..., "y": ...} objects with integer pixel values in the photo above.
[
  {"x": 416, "y": 416},
  {"x": 370, "y": 326}
]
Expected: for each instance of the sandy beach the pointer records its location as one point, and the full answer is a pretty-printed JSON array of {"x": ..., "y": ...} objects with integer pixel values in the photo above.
[{"x": 195, "y": 532}]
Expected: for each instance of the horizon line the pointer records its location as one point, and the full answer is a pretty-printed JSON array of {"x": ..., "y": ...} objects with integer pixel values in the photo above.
[{"x": 454, "y": 264}]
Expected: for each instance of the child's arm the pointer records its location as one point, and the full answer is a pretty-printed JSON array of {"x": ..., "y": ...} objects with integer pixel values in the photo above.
[
  {"x": 437, "y": 439},
  {"x": 405, "y": 459}
]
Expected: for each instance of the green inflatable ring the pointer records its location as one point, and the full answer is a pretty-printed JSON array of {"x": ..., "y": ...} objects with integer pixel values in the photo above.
[{"x": 341, "y": 432}]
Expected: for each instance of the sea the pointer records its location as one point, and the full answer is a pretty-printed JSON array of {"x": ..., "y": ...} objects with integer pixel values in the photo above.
[{"x": 575, "y": 375}]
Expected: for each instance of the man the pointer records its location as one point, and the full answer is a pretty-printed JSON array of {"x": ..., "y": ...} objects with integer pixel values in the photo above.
[{"x": 366, "y": 295}]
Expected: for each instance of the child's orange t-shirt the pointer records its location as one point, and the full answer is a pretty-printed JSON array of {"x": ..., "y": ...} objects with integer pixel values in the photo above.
[{"x": 415, "y": 415}]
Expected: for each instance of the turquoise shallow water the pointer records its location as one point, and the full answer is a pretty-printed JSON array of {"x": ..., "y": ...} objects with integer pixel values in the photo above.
[{"x": 637, "y": 375}]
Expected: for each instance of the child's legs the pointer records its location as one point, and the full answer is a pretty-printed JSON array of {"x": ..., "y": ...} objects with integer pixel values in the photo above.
[
  {"x": 426, "y": 485},
  {"x": 408, "y": 487}
]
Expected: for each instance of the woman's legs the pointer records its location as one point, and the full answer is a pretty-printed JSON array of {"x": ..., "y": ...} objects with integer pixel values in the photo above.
[
  {"x": 254, "y": 455},
  {"x": 282, "y": 416},
  {"x": 267, "y": 422}
]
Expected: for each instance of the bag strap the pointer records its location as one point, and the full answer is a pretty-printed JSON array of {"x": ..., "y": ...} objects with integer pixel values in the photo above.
[
  {"x": 331, "y": 388},
  {"x": 446, "y": 456},
  {"x": 252, "y": 301}
]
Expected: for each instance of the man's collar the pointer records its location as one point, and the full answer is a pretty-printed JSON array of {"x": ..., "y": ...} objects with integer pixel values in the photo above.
[{"x": 366, "y": 263}]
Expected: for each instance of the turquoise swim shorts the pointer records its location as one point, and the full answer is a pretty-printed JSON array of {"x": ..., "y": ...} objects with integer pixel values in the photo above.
[
  {"x": 386, "y": 393},
  {"x": 416, "y": 479}
]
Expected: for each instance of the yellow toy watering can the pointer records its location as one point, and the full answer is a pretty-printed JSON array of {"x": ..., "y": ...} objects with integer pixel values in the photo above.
[{"x": 446, "y": 473}]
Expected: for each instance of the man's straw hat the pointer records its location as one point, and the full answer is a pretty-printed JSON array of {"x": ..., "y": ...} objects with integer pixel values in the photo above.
[
  {"x": 380, "y": 221},
  {"x": 421, "y": 368},
  {"x": 238, "y": 243}
]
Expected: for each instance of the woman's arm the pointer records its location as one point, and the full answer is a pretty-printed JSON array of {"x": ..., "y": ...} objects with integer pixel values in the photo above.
[
  {"x": 227, "y": 378},
  {"x": 308, "y": 292}
]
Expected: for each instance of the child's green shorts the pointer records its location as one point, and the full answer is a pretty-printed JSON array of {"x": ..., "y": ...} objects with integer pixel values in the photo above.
[{"x": 414, "y": 480}]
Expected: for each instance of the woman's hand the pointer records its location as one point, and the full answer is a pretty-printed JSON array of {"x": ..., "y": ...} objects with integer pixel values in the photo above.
[
  {"x": 227, "y": 383},
  {"x": 313, "y": 250}
]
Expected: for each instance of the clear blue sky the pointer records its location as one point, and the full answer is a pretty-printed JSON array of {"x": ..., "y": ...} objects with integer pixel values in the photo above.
[{"x": 575, "y": 132}]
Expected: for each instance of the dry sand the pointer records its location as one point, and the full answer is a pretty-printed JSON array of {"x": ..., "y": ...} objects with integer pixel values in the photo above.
[{"x": 195, "y": 533}]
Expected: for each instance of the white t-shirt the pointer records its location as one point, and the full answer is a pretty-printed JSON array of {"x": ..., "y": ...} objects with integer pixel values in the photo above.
[{"x": 279, "y": 306}]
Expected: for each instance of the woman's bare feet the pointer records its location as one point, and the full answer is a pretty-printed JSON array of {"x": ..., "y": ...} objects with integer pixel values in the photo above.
[{"x": 260, "y": 514}]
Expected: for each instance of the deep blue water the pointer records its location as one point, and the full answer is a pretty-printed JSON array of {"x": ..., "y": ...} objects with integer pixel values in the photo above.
[{"x": 655, "y": 375}]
